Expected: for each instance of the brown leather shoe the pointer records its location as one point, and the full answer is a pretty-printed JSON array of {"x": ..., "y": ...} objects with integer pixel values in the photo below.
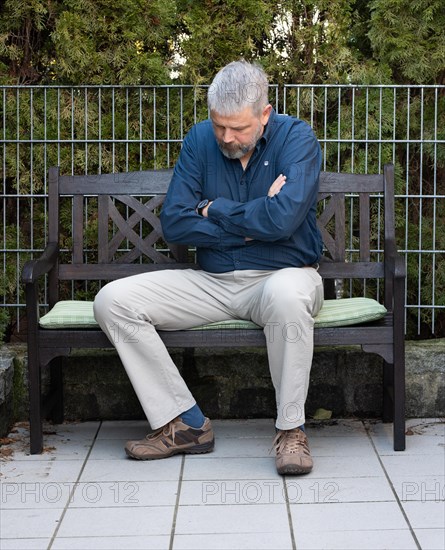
[
  {"x": 174, "y": 438},
  {"x": 292, "y": 449}
]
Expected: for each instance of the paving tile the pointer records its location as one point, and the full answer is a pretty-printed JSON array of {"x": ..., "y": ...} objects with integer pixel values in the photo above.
[
  {"x": 414, "y": 465},
  {"x": 347, "y": 489},
  {"x": 358, "y": 516},
  {"x": 128, "y": 470},
  {"x": 335, "y": 428},
  {"x": 28, "y": 523},
  {"x": 425, "y": 515},
  {"x": 32, "y": 495},
  {"x": 259, "y": 447},
  {"x": 258, "y": 519},
  {"x": 232, "y": 492},
  {"x": 41, "y": 472},
  {"x": 426, "y": 426},
  {"x": 333, "y": 467},
  {"x": 147, "y": 542},
  {"x": 121, "y": 522},
  {"x": 24, "y": 544},
  {"x": 214, "y": 469},
  {"x": 419, "y": 488},
  {"x": 424, "y": 436},
  {"x": 328, "y": 445},
  {"x": 228, "y": 541},
  {"x": 431, "y": 539},
  {"x": 124, "y": 494},
  {"x": 108, "y": 449},
  {"x": 356, "y": 540},
  {"x": 61, "y": 442},
  {"x": 262, "y": 427},
  {"x": 298, "y": 489},
  {"x": 262, "y": 446},
  {"x": 415, "y": 426},
  {"x": 73, "y": 431},
  {"x": 415, "y": 445},
  {"x": 53, "y": 450},
  {"x": 123, "y": 429}
]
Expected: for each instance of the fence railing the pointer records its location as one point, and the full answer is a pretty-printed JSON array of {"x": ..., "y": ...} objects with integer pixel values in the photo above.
[{"x": 91, "y": 129}]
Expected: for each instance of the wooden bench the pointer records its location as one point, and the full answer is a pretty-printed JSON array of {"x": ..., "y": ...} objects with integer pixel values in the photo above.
[{"x": 116, "y": 233}]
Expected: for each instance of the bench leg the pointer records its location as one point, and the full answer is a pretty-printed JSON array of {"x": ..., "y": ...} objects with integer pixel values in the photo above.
[
  {"x": 399, "y": 401},
  {"x": 35, "y": 409},
  {"x": 57, "y": 412},
  {"x": 388, "y": 392},
  {"x": 394, "y": 400}
]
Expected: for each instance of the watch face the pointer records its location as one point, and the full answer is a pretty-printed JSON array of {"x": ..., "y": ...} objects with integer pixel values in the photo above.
[{"x": 203, "y": 204}]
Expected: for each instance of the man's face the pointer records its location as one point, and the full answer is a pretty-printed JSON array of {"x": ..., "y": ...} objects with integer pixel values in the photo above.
[{"x": 238, "y": 134}]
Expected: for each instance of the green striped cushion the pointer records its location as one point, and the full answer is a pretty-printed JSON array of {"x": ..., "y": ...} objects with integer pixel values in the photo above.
[
  {"x": 334, "y": 313},
  {"x": 70, "y": 314}
]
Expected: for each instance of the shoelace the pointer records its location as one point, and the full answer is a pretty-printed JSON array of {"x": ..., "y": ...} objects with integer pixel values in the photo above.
[
  {"x": 290, "y": 442},
  {"x": 168, "y": 430}
]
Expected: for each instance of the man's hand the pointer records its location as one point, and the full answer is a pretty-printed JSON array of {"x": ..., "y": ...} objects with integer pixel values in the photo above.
[
  {"x": 276, "y": 185},
  {"x": 205, "y": 210},
  {"x": 273, "y": 190}
]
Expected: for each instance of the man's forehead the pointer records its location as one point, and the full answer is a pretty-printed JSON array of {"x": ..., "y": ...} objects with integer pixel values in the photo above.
[{"x": 243, "y": 117}]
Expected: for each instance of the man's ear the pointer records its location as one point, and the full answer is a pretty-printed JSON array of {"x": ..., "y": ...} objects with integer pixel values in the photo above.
[{"x": 266, "y": 114}]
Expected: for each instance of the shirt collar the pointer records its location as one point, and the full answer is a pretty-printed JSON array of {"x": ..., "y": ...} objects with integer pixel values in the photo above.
[
  {"x": 266, "y": 133},
  {"x": 268, "y": 128}
]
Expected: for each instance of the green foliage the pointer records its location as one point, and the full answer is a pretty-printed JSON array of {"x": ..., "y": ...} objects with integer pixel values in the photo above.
[
  {"x": 25, "y": 37},
  {"x": 4, "y": 322},
  {"x": 213, "y": 33},
  {"x": 119, "y": 42},
  {"x": 409, "y": 37},
  {"x": 86, "y": 41},
  {"x": 142, "y": 41},
  {"x": 5, "y": 285}
]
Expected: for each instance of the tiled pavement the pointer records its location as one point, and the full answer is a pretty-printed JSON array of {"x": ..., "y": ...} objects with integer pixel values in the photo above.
[{"x": 83, "y": 493}]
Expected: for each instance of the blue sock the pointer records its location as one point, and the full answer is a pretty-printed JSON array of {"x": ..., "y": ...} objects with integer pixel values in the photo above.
[
  {"x": 301, "y": 428},
  {"x": 193, "y": 417}
]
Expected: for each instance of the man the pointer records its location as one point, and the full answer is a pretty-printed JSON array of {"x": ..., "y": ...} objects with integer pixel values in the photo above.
[{"x": 244, "y": 192}]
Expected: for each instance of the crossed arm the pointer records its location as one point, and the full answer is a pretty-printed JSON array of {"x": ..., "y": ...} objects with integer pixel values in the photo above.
[
  {"x": 273, "y": 190},
  {"x": 228, "y": 222}
]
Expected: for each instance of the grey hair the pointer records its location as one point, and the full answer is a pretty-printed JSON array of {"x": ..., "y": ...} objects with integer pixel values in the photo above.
[{"x": 236, "y": 86}]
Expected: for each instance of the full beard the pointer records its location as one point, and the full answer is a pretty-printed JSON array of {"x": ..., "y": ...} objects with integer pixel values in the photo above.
[{"x": 237, "y": 150}]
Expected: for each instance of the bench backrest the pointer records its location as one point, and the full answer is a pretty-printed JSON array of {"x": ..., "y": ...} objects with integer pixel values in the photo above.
[{"x": 116, "y": 230}]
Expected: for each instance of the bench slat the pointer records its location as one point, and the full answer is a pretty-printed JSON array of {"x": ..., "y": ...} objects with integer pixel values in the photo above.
[{"x": 154, "y": 182}]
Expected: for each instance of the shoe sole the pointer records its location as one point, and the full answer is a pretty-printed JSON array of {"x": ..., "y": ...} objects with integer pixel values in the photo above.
[
  {"x": 292, "y": 469},
  {"x": 196, "y": 449}
]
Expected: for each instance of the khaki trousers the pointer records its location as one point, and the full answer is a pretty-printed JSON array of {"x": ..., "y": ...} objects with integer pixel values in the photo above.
[{"x": 284, "y": 302}]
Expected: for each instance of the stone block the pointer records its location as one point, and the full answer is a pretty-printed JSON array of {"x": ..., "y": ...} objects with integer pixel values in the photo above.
[{"x": 6, "y": 390}]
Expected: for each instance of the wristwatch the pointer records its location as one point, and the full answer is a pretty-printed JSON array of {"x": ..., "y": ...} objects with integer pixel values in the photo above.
[{"x": 201, "y": 205}]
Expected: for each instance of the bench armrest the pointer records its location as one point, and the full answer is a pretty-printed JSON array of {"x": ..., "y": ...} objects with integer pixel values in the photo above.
[
  {"x": 395, "y": 267},
  {"x": 395, "y": 275},
  {"x": 399, "y": 267},
  {"x": 33, "y": 269}
]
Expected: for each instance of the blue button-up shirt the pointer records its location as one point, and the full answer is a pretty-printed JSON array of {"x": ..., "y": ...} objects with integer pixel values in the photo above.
[{"x": 282, "y": 228}]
